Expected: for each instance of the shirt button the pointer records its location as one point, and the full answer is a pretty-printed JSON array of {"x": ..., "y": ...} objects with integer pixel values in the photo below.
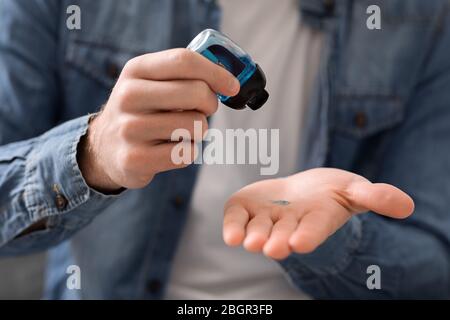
[
  {"x": 360, "y": 120},
  {"x": 154, "y": 286},
  {"x": 112, "y": 70},
  {"x": 178, "y": 202},
  {"x": 61, "y": 202}
]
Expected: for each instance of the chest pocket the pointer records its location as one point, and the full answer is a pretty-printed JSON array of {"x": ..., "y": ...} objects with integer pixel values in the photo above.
[
  {"x": 90, "y": 73},
  {"x": 100, "y": 63},
  {"x": 361, "y": 117},
  {"x": 375, "y": 73},
  {"x": 112, "y": 32},
  {"x": 377, "y": 70}
]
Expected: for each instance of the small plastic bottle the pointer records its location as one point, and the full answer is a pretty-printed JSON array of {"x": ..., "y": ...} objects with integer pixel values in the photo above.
[{"x": 218, "y": 48}]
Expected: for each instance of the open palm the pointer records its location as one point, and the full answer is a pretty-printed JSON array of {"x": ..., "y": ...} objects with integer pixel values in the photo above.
[{"x": 299, "y": 212}]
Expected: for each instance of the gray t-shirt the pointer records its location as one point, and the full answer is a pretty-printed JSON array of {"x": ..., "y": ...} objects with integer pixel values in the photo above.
[{"x": 288, "y": 51}]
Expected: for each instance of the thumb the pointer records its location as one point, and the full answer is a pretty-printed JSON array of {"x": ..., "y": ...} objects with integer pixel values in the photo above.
[{"x": 381, "y": 198}]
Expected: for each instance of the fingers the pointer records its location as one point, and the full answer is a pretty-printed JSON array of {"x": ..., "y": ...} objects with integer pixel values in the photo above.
[
  {"x": 163, "y": 158},
  {"x": 277, "y": 246},
  {"x": 183, "y": 64},
  {"x": 313, "y": 229},
  {"x": 139, "y": 163},
  {"x": 165, "y": 126},
  {"x": 234, "y": 224},
  {"x": 381, "y": 198},
  {"x": 137, "y": 95},
  {"x": 266, "y": 230},
  {"x": 258, "y": 232}
]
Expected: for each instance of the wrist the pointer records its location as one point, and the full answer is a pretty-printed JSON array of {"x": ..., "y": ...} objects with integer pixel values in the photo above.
[{"x": 89, "y": 162}]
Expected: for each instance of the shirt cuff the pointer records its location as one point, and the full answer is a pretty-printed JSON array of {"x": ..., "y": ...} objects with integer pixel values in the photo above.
[
  {"x": 332, "y": 257},
  {"x": 54, "y": 185}
]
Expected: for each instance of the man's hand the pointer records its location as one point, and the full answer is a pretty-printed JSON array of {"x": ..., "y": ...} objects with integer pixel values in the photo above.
[
  {"x": 129, "y": 142},
  {"x": 298, "y": 213}
]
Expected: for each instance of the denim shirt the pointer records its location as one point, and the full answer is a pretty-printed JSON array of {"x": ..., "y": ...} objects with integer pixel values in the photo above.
[{"x": 381, "y": 108}]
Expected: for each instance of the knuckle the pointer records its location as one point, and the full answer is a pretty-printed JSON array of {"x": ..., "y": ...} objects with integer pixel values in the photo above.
[
  {"x": 126, "y": 129},
  {"x": 124, "y": 92},
  {"x": 180, "y": 57},
  {"x": 129, "y": 164},
  {"x": 129, "y": 66}
]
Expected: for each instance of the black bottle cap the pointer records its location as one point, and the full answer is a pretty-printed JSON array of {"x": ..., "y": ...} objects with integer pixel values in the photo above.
[
  {"x": 258, "y": 101},
  {"x": 252, "y": 93}
]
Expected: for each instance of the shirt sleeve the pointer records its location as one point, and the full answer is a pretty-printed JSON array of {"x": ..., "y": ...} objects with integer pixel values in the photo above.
[
  {"x": 412, "y": 255},
  {"x": 40, "y": 179},
  {"x": 39, "y": 175}
]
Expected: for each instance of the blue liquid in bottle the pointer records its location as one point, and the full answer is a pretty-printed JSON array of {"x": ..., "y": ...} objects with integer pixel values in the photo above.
[{"x": 217, "y": 48}]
